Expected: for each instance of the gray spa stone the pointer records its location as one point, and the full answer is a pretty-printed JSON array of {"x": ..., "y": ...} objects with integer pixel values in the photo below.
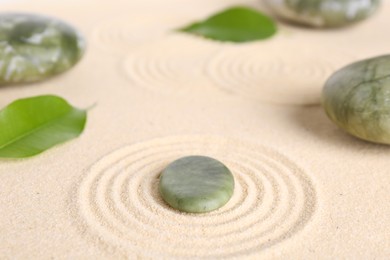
[
  {"x": 33, "y": 47},
  {"x": 196, "y": 184},
  {"x": 324, "y": 13},
  {"x": 357, "y": 98}
]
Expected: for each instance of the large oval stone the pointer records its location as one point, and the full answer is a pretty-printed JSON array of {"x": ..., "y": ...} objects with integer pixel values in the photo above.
[
  {"x": 357, "y": 98},
  {"x": 34, "y": 47},
  {"x": 196, "y": 184},
  {"x": 324, "y": 13}
]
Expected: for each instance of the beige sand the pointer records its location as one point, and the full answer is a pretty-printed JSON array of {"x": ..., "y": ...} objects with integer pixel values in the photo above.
[{"x": 304, "y": 188}]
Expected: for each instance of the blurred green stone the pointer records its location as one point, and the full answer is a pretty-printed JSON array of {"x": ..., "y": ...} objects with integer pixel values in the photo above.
[
  {"x": 324, "y": 13},
  {"x": 33, "y": 47},
  {"x": 357, "y": 98},
  {"x": 196, "y": 184}
]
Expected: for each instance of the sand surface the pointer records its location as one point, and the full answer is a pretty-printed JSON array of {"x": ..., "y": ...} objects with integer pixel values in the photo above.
[{"x": 304, "y": 188}]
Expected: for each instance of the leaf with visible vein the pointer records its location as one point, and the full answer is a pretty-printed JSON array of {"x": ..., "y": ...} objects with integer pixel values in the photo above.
[
  {"x": 236, "y": 24},
  {"x": 32, "y": 125}
]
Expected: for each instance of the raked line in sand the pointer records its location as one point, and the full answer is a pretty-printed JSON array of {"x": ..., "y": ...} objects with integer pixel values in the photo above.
[{"x": 120, "y": 206}]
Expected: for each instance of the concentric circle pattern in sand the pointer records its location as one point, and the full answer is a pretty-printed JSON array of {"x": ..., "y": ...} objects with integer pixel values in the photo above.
[
  {"x": 119, "y": 201},
  {"x": 164, "y": 66},
  {"x": 279, "y": 73}
]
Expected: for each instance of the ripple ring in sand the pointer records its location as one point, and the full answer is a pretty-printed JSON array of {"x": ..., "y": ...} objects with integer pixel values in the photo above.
[
  {"x": 163, "y": 67},
  {"x": 274, "y": 73},
  {"x": 119, "y": 201}
]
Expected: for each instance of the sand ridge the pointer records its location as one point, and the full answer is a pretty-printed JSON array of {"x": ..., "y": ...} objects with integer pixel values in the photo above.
[
  {"x": 120, "y": 203},
  {"x": 239, "y": 70},
  {"x": 165, "y": 68},
  {"x": 304, "y": 188}
]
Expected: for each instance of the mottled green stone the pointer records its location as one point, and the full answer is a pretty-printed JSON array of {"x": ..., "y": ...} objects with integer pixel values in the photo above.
[
  {"x": 196, "y": 184},
  {"x": 357, "y": 98},
  {"x": 324, "y": 13},
  {"x": 33, "y": 47}
]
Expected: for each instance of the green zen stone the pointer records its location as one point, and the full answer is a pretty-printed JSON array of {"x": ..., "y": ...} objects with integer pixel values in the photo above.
[
  {"x": 33, "y": 48},
  {"x": 196, "y": 184},
  {"x": 324, "y": 13},
  {"x": 357, "y": 98}
]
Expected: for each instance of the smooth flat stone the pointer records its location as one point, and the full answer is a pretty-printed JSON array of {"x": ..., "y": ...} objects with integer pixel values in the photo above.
[
  {"x": 196, "y": 184},
  {"x": 33, "y": 48},
  {"x": 324, "y": 13},
  {"x": 357, "y": 98}
]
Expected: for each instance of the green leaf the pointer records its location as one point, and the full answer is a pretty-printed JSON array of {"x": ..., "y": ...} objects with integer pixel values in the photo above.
[
  {"x": 237, "y": 24},
  {"x": 32, "y": 125}
]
